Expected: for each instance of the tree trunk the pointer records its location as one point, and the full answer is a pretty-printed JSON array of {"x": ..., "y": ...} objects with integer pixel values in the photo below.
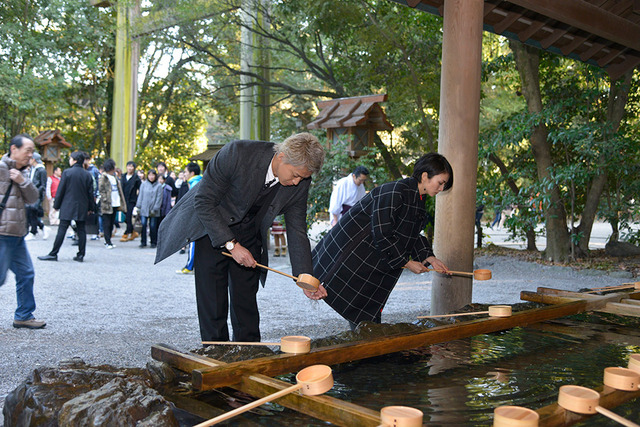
[
  {"x": 527, "y": 62},
  {"x": 504, "y": 170},
  {"x": 618, "y": 96}
]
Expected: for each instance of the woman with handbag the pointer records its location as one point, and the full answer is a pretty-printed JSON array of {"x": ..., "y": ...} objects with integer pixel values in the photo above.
[{"x": 148, "y": 204}]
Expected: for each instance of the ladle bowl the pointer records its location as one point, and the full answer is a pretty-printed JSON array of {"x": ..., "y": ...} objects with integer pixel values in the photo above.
[
  {"x": 621, "y": 378},
  {"x": 499, "y": 311},
  {"x": 401, "y": 416},
  {"x": 578, "y": 399},
  {"x": 634, "y": 362},
  {"x": 482, "y": 274},
  {"x": 316, "y": 379},
  {"x": 308, "y": 282},
  {"x": 515, "y": 416}
]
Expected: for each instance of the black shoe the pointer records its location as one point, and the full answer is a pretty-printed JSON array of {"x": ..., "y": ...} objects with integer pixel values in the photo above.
[
  {"x": 182, "y": 251},
  {"x": 74, "y": 243},
  {"x": 142, "y": 246},
  {"x": 78, "y": 258},
  {"x": 153, "y": 245},
  {"x": 48, "y": 258}
]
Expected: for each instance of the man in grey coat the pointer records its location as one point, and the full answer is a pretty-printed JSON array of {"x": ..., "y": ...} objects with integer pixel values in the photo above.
[
  {"x": 16, "y": 190},
  {"x": 242, "y": 190}
]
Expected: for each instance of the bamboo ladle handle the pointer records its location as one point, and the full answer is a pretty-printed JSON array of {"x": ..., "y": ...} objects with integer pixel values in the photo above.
[
  {"x": 453, "y": 315},
  {"x": 251, "y": 405},
  {"x": 268, "y": 268},
  {"x": 238, "y": 343},
  {"x": 615, "y": 417}
]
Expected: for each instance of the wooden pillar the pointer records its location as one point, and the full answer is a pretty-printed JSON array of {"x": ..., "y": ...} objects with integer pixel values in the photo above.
[
  {"x": 458, "y": 142},
  {"x": 125, "y": 91}
]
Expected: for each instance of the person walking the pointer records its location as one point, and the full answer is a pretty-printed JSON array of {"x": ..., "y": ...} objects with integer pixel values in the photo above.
[
  {"x": 360, "y": 260},
  {"x": 243, "y": 188},
  {"x": 16, "y": 191},
  {"x": 347, "y": 192},
  {"x": 111, "y": 199},
  {"x": 52, "y": 187},
  {"x": 35, "y": 211},
  {"x": 75, "y": 200},
  {"x": 148, "y": 205},
  {"x": 130, "y": 183}
]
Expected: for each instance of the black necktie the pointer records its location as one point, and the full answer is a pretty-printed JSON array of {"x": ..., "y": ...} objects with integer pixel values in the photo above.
[{"x": 268, "y": 184}]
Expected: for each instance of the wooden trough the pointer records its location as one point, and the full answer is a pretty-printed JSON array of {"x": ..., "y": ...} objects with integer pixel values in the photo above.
[{"x": 254, "y": 376}]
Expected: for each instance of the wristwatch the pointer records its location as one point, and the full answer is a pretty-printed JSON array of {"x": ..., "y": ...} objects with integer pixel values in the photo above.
[{"x": 230, "y": 244}]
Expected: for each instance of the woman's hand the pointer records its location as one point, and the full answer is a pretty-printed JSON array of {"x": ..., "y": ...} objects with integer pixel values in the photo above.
[
  {"x": 321, "y": 293},
  {"x": 437, "y": 265},
  {"x": 416, "y": 267}
]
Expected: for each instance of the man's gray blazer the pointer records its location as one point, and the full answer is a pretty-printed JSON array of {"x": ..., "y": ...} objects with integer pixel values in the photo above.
[{"x": 228, "y": 188}]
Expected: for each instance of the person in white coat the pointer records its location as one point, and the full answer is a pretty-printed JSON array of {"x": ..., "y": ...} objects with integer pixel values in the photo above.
[{"x": 347, "y": 192}]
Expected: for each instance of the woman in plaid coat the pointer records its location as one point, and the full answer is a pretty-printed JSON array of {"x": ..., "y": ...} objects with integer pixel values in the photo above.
[{"x": 360, "y": 260}]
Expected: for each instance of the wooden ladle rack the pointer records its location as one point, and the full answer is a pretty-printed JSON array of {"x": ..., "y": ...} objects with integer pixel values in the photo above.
[{"x": 254, "y": 376}]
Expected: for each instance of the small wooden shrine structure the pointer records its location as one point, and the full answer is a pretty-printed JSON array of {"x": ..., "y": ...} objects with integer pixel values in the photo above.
[
  {"x": 207, "y": 155},
  {"x": 50, "y": 143},
  {"x": 358, "y": 118}
]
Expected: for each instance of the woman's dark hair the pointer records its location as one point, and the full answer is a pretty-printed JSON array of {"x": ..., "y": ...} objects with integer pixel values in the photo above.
[
  {"x": 109, "y": 165},
  {"x": 77, "y": 156},
  {"x": 433, "y": 164},
  {"x": 153, "y": 171}
]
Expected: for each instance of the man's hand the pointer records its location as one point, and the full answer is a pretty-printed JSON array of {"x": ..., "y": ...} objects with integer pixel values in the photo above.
[
  {"x": 16, "y": 176},
  {"x": 242, "y": 256},
  {"x": 321, "y": 293}
]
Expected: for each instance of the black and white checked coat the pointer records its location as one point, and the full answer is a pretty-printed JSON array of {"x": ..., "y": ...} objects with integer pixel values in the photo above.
[{"x": 361, "y": 258}]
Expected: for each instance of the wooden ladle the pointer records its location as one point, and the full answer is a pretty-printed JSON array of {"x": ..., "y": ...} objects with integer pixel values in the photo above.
[
  {"x": 622, "y": 379},
  {"x": 311, "y": 381},
  {"x": 494, "y": 311},
  {"x": 634, "y": 362},
  {"x": 480, "y": 274},
  {"x": 515, "y": 416},
  {"x": 401, "y": 416},
  {"x": 586, "y": 401},
  {"x": 296, "y": 344},
  {"x": 305, "y": 281},
  {"x": 634, "y": 285}
]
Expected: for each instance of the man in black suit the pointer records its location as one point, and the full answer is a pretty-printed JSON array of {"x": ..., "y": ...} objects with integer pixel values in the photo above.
[
  {"x": 75, "y": 200},
  {"x": 245, "y": 186}
]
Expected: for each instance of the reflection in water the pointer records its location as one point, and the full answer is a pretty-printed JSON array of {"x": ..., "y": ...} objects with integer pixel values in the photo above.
[{"x": 459, "y": 383}]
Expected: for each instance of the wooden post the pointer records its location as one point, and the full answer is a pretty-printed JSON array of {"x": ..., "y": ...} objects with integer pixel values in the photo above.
[
  {"x": 458, "y": 142},
  {"x": 125, "y": 88}
]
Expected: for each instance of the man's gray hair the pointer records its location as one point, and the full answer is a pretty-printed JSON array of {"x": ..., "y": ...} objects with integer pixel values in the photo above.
[{"x": 302, "y": 149}]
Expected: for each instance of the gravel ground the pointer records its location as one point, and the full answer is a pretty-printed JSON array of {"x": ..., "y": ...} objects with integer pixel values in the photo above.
[{"x": 114, "y": 306}]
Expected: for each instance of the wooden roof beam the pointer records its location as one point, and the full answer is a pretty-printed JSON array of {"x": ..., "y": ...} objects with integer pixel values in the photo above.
[
  {"x": 573, "y": 45},
  {"x": 618, "y": 70},
  {"x": 588, "y": 54},
  {"x": 587, "y": 17},
  {"x": 531, "y": 30},
  {"x": 552, "y": 38},
  {"x": 506, "y": 22},
  {"x": 613, "y": 54}
]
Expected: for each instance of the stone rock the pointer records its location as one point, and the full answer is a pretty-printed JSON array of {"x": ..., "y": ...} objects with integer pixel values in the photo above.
[
  {"x": 40, "y": 398},
  {"x": 121, "y": 402},
  {"x": 621, "y": 249},
  {"x": 160, "y": 372}
]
